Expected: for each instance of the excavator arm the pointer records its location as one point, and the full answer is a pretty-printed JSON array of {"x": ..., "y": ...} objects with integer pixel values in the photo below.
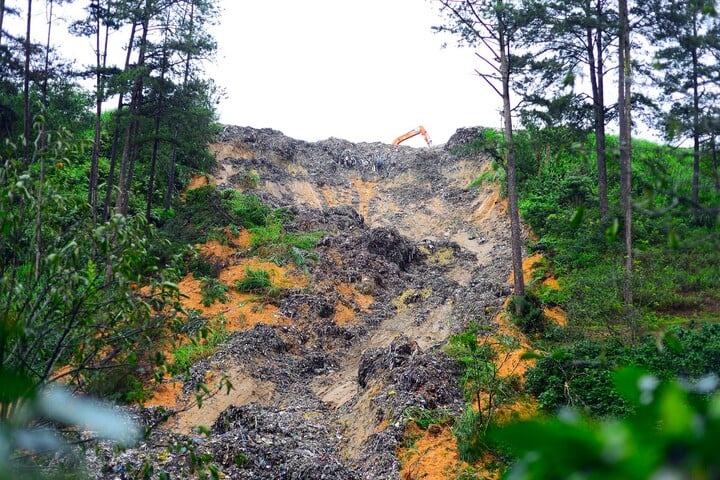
[{"x": 417, "y": 131}]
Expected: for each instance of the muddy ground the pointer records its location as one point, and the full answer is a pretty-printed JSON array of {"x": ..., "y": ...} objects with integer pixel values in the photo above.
[{"x": 410, "y": 256}]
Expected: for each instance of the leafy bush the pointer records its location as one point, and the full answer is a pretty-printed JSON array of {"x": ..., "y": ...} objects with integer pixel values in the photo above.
[
  {"x": 672, "y": 434},
  {"x": 469, "y": 432},
  {"x": 249, "y": 179},
  {"x": 70, "y": 297},
  {"x": 273, "y": 242},
  {"x": 207, "y": 208},
  {"x": 212, "y": 291},
  {"x": 187, "y": 354},
  {"x": 531, "y": 320},
  {"x": 580, "y": 375},
  {"x": 203, "y": 266},
  {"x": 481, "y": 355},
  {"x": 81, "y": 304}
]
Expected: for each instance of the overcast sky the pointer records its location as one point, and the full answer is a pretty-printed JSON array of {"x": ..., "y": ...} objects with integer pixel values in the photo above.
[
  {"x": 365, "y": 70},
  {"x": 362, "y": 70}
]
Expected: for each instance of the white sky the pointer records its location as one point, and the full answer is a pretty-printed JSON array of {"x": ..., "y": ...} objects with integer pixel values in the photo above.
[
  {"x": 365, "y": 70},
  {"x": 362, "y": 70}
]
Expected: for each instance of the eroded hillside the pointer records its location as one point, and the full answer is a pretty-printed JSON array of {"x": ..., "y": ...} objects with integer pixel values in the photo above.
[{"x": 409, "y": 257}]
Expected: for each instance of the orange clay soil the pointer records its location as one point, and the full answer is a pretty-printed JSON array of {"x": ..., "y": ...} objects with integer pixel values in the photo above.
[
  {"x": 432, "y": 455},
  {"x": 242, "y": 311}
]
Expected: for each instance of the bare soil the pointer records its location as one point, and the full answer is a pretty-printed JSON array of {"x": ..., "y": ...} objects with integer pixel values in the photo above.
[{"x": 322, "y": 376}]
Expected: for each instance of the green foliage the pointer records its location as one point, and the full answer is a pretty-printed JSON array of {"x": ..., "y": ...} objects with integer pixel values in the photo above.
[
  {"x": 594, "y": 299},
  {"x": 273, "y": 242},
  {"x": 67, "y": 293},
  {"x": 424, "y": 417},
  {"x": 207, "y": 208},
  {"x": 494, "y": 175},
  {"x": 471, "y": 444},
  {"x": 249, "y": 179},
  {"x": 187, "y": 354},
  {"x": 203, "y": 266},
  {"x": 480, "y": 356},
  {"x": 672, "y": 433},
  {"x": 213, "y": 290},
  {"x": 257, "y": 280},
  {"x": 248, "y": 209},
  {"x": 531, "y": 319},
  {"x": 579, "y": 375},
  {"x": 486, "y": 140}
]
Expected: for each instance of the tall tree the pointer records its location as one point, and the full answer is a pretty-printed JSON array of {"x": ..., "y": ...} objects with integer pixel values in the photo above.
[
  {"x": 571, "y": 39},
  {"x": 27, "y": 117},
  {"x": 625, "y": 124},
  {"x": 686, "y": 32},
  {"x": 129, "y": 150},
  {"x": 193, "y": 99},
  {"x": 98, "y": 12},
  {"x": 492, "y": 27}
]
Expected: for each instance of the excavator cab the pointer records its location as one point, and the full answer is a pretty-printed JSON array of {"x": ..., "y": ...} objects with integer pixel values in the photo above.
[{"x": 417, "y": 131}]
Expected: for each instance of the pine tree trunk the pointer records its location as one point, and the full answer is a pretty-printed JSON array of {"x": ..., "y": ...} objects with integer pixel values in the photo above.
[
  {"x": 95, "y": 160},
  {"x": 515, "y": 234},
  {"x": 153, "y": 163},
  {"x": 129, "y": 148},
  {"x": 27, "y": 118},
  {"x": 696, "y": 129},
  {"x": 173, "y": 158},
  {"x": 116, "y": 133},
  {"x": 46, "y": 76},
  {"x": 171, "y": 173},
  {"x": 595, "y": 60},
  {"x": 624, "y": 90}
]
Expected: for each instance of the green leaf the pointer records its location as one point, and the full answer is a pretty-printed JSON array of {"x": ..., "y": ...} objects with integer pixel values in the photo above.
[
  {"x": 671, "y": 341},
  {"x": 612, "y": 231},
  {"x": 577, "y": 217},
  {"x": 14, "y": 386}
]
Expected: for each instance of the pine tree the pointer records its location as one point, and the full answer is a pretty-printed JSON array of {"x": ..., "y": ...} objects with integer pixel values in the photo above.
[
  {"x": 571, "y": 39},
  {"x": 492, "y": 27},
  {"x": 687, "y": 34}
]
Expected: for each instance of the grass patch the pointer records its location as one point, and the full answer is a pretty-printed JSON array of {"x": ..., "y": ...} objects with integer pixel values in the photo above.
[
  {"x": 186, "y": 355},
  {"x": 257, "y": 280},
  {"x": 424, "y": 417},
  {"x": 271, "y": 241}
]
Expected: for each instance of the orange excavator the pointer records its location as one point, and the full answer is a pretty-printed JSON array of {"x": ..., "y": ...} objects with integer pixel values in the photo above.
[{"x": 417, "y": 131}]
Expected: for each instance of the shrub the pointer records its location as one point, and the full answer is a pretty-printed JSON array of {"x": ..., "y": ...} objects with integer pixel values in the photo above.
[
  {"x": 469, "y": 431},
  {"x": 579, "y": 375},
  {"x": 212, "y": 291},
  {"x": 187, "y": 354},
  {"x": 672, "y": 433},
  {"x": 88, "y": 298},
  {"x": 272, "y": 242},
  {"x": 531, "y": 320}
]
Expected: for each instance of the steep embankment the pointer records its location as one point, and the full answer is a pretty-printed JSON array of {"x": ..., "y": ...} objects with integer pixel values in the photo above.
[{"x": 409, "y": 258}]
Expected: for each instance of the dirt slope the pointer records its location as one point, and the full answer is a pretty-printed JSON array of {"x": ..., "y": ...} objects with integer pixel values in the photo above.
[{"x": 410, "y": 257}]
